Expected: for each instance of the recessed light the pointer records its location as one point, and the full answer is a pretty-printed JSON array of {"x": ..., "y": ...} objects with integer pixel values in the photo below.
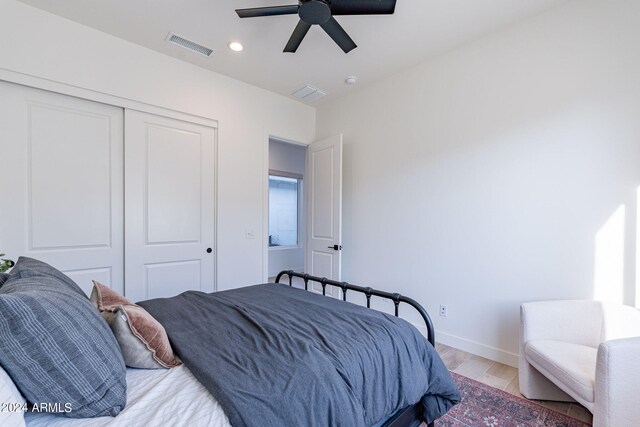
[
  {"x": 235, "y": 46},
  {"x": 351, "y": 80}
]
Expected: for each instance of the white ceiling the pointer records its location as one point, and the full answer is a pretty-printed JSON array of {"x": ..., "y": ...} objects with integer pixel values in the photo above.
[{"x": 419, "y": 30}]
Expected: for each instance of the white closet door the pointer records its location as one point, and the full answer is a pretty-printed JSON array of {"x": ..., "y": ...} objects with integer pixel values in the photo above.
[
  {"x": 62, "y": 190},
  {"x": 169, "y": 206}
]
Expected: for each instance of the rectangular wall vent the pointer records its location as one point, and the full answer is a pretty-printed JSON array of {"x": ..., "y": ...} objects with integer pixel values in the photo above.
[
  {"x": 309, "y": 93},
  {"x": 188, "y": 44}
]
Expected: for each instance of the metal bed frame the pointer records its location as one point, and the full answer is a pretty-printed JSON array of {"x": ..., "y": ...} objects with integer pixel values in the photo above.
[{"x": 411, "y": 415}]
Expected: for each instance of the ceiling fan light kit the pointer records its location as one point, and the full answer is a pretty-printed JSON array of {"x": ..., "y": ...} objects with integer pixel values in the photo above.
[{"x": 322, "y": 12}]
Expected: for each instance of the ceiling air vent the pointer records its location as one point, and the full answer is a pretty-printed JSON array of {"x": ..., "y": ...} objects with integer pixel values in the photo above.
[
  {"x": 309, "y": 93},
  {"x": 188, "y": 44}
]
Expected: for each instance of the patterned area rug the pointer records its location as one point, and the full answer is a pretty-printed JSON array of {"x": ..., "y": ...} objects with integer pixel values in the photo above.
[{"x": 485, "y": 406}]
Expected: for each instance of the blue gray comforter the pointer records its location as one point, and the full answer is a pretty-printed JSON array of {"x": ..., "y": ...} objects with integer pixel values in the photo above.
[{"x": 272, "y": 355}]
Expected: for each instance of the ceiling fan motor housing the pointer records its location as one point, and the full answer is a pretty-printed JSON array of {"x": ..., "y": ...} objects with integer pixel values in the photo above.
[
  {"x": 314, "y": 11},
  {"x": 321, "y": 12}
]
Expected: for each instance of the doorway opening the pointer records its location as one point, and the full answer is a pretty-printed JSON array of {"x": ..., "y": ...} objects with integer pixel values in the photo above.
[{"x": 286, "y": 200}]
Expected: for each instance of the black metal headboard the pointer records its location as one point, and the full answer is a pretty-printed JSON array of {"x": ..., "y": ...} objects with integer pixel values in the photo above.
[{"x": 368, "y": 292}]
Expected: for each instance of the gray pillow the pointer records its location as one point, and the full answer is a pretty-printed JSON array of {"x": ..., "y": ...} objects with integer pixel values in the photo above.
[
  {"x": 3, "y": 278},
  {"x": 56, "y": 346},
  {"x": 32, "y": 268}
]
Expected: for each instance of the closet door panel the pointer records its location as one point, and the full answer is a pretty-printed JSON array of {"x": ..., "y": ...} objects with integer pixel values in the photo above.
[
  {"x": 170, "y": 206},
  {"x": 69, "y": 180},
  {"x": 173, "y": 186},
  {"x": 64, "y": 165}
]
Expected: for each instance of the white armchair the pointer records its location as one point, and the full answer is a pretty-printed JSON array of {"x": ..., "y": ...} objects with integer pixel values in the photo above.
[{"x": 584, "y": 351}]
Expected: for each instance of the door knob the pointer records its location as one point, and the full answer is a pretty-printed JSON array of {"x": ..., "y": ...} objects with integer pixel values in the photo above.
[
  {"x": 335, "y": 247},
  {"x": 209, "y": 250}
]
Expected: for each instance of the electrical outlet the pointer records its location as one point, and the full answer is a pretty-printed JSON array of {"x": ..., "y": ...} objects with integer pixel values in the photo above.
[{"x": 443, "y": 310}]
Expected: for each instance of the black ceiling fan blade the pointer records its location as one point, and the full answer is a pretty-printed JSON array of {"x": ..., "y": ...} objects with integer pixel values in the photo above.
[
  {"x": 363, "y": 7},
  {"x": 296, "y": 38},
  {"x": 339, "y": 35},
  {"x": 267, "y": 11}
]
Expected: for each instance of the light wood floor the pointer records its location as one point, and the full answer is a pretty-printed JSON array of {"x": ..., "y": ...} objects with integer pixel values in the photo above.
[{"x": 500, "y": 376}]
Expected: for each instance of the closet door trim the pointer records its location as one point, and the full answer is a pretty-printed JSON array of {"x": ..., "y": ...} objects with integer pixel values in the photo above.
[{"x": 102, "y": 97}]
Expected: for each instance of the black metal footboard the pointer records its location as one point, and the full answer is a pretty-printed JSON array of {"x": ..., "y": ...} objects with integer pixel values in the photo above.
[
  {"x": 410, "y": 416},
  {"x": 368, "y": 292}
]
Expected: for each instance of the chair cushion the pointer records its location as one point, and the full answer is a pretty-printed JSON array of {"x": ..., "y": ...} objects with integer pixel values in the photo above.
[
  {"x": 55, "y": 345},
  {"x": 572, "y": 365}
]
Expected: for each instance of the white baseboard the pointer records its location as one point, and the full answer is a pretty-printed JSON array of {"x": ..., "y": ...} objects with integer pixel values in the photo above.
[
  {"x": 478, "y": 349},
  {"x": 472, "y": 347}
]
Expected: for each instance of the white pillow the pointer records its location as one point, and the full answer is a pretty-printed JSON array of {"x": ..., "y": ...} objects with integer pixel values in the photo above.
[{"x": 11, "y": 402}]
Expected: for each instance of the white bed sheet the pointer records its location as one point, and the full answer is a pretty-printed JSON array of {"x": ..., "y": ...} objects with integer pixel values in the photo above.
[{"x": 156, "y": 397}]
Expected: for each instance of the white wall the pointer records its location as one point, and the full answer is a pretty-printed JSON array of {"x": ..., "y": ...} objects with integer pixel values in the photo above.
[
  {"x": 39, "y": 44},
  {"x": 285, "y": 157},
  {"x": 497, "y": 173}
]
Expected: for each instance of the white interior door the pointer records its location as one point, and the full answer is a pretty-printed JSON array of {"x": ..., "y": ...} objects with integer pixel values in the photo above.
[
  {"x": 324, "y": 210},
  {"x": 62, "y": 198},
  {"x": 169, "y": 206}
]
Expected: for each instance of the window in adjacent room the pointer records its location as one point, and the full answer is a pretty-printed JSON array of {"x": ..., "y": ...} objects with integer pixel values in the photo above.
[{"x": 284, "y": 209}]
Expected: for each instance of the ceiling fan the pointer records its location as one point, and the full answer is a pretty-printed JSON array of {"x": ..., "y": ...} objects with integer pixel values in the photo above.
[{"x": 322, "y": 12}]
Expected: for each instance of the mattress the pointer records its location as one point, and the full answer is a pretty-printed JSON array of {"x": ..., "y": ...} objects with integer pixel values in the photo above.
[{"x": 156, "y": 397}]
